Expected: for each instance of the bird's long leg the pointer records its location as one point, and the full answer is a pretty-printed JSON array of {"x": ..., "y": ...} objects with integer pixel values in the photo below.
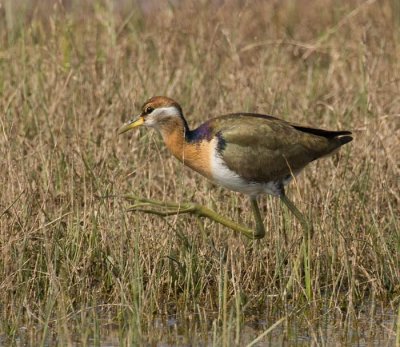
[
  {"x": 300, "y": 217},
  {"x": 260, "y": 230},
  {"x": 171, "y": 208},
  {"x": 305, "y": 248}
]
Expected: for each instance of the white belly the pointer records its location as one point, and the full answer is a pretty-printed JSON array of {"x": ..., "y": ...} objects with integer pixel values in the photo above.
[{"x": 225, "y": 177}]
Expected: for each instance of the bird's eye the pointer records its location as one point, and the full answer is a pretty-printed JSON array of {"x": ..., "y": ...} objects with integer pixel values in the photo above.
[{"x": 149, "y": 110}]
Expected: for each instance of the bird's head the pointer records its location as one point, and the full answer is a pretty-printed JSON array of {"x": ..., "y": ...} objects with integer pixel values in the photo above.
[{"x": 158, "y": 112}]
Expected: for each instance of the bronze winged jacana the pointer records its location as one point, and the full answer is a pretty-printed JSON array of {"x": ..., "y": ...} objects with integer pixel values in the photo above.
[{"x": 246, "y": 152}]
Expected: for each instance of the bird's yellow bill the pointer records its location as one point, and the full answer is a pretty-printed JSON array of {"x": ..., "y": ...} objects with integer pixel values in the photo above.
[{"x": 130, "y": 125}]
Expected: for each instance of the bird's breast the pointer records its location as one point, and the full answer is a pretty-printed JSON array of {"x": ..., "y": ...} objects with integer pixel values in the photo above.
[{"x": 196, "y": 155}]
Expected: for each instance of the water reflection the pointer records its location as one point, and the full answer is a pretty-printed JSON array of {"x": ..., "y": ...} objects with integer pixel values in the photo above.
[{"x": 329, "y": 329}]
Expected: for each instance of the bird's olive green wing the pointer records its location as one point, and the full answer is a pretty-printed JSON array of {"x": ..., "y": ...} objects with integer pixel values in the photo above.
[{"x": 263, "y": 148}]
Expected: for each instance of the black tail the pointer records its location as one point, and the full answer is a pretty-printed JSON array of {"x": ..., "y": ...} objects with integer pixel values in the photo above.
[
  {"x": 324, "y": 133},
  {"x": 345, "y": 139},
  {"x": 337, "y": 138}
]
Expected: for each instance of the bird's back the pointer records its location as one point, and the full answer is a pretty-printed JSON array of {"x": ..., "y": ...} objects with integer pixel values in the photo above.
[{"x": 261, "y": 148}]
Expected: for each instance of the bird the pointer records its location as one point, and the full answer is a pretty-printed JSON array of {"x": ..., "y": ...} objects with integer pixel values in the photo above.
[{"x": 250, "y": 153}]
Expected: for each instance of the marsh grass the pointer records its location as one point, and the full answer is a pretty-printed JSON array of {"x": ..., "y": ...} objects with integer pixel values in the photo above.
[{"x": 76, "y": 267}]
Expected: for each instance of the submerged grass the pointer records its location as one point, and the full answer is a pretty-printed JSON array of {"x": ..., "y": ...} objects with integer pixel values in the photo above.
[{"x": 76, "y": 265}]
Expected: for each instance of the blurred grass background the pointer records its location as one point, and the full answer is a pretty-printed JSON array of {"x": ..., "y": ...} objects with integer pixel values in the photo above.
[{"x": 72, "y": 72}]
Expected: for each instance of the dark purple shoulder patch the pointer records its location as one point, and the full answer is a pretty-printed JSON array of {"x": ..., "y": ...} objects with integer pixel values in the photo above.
[{"x": 203, "y": 132}]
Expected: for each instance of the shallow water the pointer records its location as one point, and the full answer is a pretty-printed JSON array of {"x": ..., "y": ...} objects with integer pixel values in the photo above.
[
  {"x": 379, "y": 330},
  {"x": 329, "y": 329}
]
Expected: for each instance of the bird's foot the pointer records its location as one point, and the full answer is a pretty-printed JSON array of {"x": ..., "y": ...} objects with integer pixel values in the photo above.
[
  {"x": 160, "y": 208},
  {"x": 164, "y": 209}
]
